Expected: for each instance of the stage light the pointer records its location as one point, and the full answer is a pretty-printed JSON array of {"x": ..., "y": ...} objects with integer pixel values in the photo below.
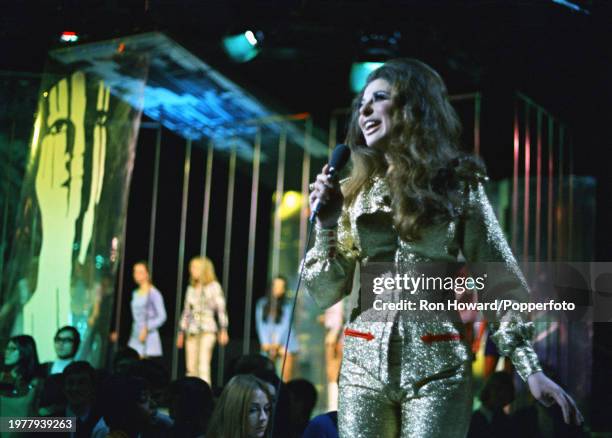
[
  {"x": 243, "y": 47},
  {"x": 360, "y": 72},
  {"x": 374, "y": 49},
  {"x": 69, "y": 37},
  {"x": 572, "y": 6},
  {"x": 291, "y": 204}
]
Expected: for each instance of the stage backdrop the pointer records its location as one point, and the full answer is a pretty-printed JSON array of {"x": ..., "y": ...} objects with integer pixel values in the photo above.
[{"x": 72, "y": 210}]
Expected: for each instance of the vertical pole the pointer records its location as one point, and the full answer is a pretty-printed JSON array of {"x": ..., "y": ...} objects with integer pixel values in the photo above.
[
  {"x": 305, "y": 179},
  {"x": 229, "y": 213},
  {"x": 477, "y": 101},
  {"x": 181, "y": 256},
  {"x": 248, "y": 302},
  {"x": 119, "y": 302},
  {"x": 560, "y": 203},
  {"x": 228, "y": 246},
  {"x": 280, "y": 189},
  {"x": 551, "y": 184},
  {"x": 527, "y": 184},
  {"x": 515, "y": 169},
  {"x": 538, "y": 224},
  {"x": 570, "y": 215},
  {"x": 154, "y": 199},
  {"x": 207, "y": 192}
]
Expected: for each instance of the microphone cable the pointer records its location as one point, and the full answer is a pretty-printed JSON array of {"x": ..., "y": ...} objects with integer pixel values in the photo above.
[{"x": 293, "y": 305}]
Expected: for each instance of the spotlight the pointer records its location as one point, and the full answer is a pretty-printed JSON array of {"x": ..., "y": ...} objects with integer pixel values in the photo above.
[
  {"x": 69, "y": 37},
  {"x": 360, "y": 72},
  {"x": 244, "y": 46},
  {"x": 291, "y": 204},
  {"x": 375, "y": 49}
]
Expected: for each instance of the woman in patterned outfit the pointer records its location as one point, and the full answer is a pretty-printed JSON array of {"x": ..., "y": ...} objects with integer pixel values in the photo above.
[
  {"x": 203, "y": 300},
  {"x": 412, "y": 198}
]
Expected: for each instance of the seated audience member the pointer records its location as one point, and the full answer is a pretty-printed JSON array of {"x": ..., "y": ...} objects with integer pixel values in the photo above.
[
  {"x": 158, "y": 379},
  {"x": 323, "y": 426},
  {"x": 66, "y": 343},
  {"x": 490, "y": 420},
  {"x": 302, "y": 400},
  {"x": 191, "y": 405},
  {"x": 156, "y": 375},
  {"x": 123, "y": 359},
  {"x": 125, "y": 404},
  {"x": 263, "y": 368},
  {"x": 19, "y": 384},
  {"x": 248, "y": 363},
  {"x": 79, "y": 388},
  {"x": 243, "y": 410}
]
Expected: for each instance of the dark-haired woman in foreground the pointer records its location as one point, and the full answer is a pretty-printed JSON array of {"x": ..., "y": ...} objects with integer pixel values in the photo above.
[
  {"x": 20, "y": 384},
  {"x": 412, "y": 198}
]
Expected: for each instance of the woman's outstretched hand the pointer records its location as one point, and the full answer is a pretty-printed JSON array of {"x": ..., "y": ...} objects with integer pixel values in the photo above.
[
  {"x": 548, "y": 392},
  {"x": 327, "y": 191}
]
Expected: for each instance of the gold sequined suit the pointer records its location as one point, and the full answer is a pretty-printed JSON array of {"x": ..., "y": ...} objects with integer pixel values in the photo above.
[{"x": 413, "y": 377}]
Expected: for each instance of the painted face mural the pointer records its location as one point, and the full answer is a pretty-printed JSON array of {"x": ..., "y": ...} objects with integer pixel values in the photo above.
[
  {"x": 61, "y": 128},
  {"x": 64, "y": 255}
]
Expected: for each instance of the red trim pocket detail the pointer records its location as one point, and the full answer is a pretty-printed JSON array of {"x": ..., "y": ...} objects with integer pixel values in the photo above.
[{"x": 429, "y": 338}]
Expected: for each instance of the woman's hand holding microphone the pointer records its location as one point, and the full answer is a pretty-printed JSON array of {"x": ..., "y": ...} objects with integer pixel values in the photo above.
[{"x": 326, "y": 190}]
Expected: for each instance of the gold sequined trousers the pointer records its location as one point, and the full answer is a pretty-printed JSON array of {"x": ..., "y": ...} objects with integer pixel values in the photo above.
[{"x": 436, "y": 406}]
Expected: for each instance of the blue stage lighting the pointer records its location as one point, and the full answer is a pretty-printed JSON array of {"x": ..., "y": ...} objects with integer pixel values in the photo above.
[
  {"x": 360, "y": 72},
  {"x": 242, "y": 47}
]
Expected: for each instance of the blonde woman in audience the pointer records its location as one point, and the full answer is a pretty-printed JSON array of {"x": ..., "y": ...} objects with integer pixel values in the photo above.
[{"x": 243, "y": 410}]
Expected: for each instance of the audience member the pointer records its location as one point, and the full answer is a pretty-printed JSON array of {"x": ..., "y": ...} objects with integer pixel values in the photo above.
[
  {"x": 323, "y": 426},
  {"x": 123, "y": 359},
  {"x": 248, "y": 363},
  {"x": 263, "y": 368},
  {"x": 66, "y": 343},
  {"x": 79, "y": 388},
  {"x": 19, "y": 384},
  {"x": 125, "y": 407},
  {"x": 191, "y": 405},
  {"x": 243, "y": 410},
  {"x": 156, "y": 376},
  {"x": 302, "y": 400}
]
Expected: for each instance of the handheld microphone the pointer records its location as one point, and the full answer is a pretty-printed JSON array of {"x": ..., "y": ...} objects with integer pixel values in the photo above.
[{"x": 339, "y": 158}]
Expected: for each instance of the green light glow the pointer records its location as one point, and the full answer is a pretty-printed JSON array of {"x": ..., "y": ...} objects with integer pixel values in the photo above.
[
  {"x": 360, "y": 72},
  {"x": 241, "y": 47}
]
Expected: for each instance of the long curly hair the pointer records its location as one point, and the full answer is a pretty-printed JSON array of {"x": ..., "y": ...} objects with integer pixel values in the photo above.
[{"x": 428, "y": 166}]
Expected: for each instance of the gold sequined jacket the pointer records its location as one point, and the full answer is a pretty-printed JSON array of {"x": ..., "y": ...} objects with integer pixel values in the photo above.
[{"x": 365, "y": 234}]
